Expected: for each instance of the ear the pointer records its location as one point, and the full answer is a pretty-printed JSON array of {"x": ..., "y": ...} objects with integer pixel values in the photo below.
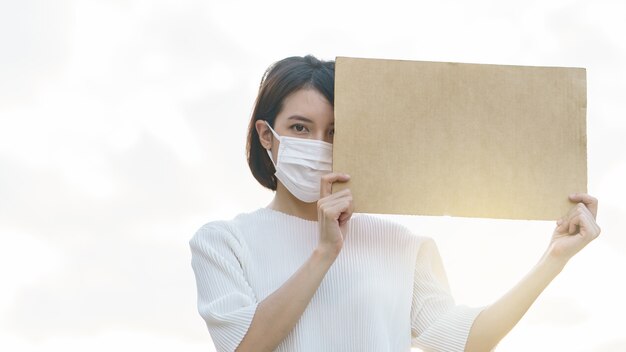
[{"x": 265, "y": 135}]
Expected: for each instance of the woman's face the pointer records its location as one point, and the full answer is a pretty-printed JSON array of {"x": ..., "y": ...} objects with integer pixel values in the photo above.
[{"x": 305, "y": 114}]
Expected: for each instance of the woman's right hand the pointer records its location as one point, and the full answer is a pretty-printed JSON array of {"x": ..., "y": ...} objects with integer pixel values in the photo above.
[{"x": 333, "y": 213}]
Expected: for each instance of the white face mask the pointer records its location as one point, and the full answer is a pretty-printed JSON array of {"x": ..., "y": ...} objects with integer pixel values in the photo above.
[{"x": 300, "y": 165}]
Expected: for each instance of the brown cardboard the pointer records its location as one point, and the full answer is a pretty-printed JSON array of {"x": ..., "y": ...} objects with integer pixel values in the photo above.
[{"x": 470, "y": 140}]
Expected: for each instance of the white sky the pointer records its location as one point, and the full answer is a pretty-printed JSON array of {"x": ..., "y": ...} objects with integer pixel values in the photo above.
[{"x": 122, "y": 131}]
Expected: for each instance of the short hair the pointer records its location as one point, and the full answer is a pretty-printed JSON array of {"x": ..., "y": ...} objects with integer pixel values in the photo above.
[{"x": 279, "y": 81}]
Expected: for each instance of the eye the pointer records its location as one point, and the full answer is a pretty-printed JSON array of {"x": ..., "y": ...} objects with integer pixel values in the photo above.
[
  {"x": 332, "y": 132},
  {"x": 299, "y": 128}
]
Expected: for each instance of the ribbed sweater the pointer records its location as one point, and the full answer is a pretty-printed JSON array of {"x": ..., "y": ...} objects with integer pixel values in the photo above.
[{"x": 386, "y": 291}]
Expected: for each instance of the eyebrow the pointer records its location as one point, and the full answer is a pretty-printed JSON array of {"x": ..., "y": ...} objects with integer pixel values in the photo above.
[{"x": 302, "y": 118}]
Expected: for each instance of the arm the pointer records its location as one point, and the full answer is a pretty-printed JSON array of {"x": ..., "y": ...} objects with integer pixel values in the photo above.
[
  {"x": 495, "y": 321},
  {"x": 572, "y": 233},
  {"x": 279, "y": 312}
]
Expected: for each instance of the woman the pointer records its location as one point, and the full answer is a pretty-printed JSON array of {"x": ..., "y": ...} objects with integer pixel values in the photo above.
[{"x": 304, "y": 274}]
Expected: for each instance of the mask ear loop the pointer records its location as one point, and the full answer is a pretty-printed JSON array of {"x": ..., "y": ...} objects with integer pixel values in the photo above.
[
  {"x": 269, "y": 151},
  {"x": 271, "y": 129}
]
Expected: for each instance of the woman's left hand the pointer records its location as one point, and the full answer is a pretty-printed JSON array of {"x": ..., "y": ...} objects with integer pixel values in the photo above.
[{"x": 576, "y": 229}]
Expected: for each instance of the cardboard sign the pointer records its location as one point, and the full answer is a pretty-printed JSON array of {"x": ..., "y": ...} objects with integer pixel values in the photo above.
[{"x": 471, "y": 140}]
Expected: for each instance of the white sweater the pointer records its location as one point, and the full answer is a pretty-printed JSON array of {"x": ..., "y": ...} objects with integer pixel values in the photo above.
[{"x": 386, "y": 291}]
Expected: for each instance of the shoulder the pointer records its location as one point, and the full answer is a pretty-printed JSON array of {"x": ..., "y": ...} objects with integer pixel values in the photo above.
[
  {"x": 222, "y": 234},
  {"x": 213, "y": 231}
]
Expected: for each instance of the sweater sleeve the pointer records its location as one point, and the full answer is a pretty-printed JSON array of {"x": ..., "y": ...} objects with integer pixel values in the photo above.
[
  {"x": 437, "y": 323},
  {"x": 226, "y": 301}
]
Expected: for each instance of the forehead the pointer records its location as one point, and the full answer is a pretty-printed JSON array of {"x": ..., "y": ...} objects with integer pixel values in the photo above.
[{"x": 308, "y": 104}]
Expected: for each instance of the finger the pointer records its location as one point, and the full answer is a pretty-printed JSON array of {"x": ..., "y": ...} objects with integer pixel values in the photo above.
[
  {"x": 584, "y": 210},
  {"x": 589, "y": 225},
  {"x": 576, "y": 212},
  {"x": 335, "y": 210},
  {"x": 563, "y": 223},
  {"x": 585, "y": 227},
  {"x": 326, "y": 183},
  {"x": 590, "y": 202},
  {"x": 347, "y": 213},
  {"x": 344, "y": 217},
  {"x": 574, "y": 225},
  {"x": 584, "y": 224},
  {"x": 341, "y": 196},
  {"x": 344, "y": 193},
  {"x": 332, "y": 200}
]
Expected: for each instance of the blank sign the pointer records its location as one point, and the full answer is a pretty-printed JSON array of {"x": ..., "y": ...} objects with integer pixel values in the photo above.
[{"x": 470, "y": 140}]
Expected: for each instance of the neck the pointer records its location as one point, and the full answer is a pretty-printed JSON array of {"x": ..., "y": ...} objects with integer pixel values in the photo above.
[{"x": 286, "y": 203}]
